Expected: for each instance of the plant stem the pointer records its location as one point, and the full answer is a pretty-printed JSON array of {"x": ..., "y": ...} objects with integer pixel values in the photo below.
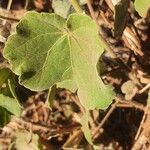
[
  {"x": 26, "y": 4},
  {"x": 113, "y": 107},
  {"x": 9, "y": 18},
  {"x": 76, "y": 6},
  {"x": 9, "y": 4}
]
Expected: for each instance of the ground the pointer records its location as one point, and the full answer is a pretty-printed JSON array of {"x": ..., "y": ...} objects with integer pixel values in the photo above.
[{"x": 125, "y": 124}]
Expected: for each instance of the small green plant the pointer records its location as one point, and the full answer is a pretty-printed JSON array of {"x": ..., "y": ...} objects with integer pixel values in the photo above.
[{"x": 48, "y": 50}]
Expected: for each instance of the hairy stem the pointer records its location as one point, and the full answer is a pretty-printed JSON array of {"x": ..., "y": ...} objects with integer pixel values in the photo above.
[{"x": 76, "y": 6}]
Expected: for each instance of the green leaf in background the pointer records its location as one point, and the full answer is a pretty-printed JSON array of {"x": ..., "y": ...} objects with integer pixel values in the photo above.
[
  {"x": 47, "y": 49},
  {"x": 121, "y": 10},
  {"x": 7, "y": 104},
  {"x": 5, "y": 116},
  {"x": 61, "y": 7},
  {"x": 6, "y": 90},
  {"x": 10, "y": 104},
  {"x": 4, "y": 75},
  {"x": 51, "y": 95},
  {"x": 148, "y": 100},
  {"x": 25, "y": 140},
  {"x": 142, "y": 7},
  {"x": 12, "y": 86}
]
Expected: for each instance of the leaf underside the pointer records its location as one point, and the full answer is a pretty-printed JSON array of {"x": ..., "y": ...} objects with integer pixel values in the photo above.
[{"x": 47, "y": 49}]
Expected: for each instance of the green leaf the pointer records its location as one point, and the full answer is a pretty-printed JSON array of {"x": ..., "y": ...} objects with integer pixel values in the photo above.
[
  {"x": 61, "y": 7},
  {"x": 25, "y": 140},
  {"x": 4, "y": 116},
  {"x": 121, "y": 10},
  {"x": 6, "y": 90},
  {"x": 142, "y": 7},
  {"x": 10, "y": 105},
  {"x": 4, "y": 75},
  {"x": 47, "y": 50},
  {"x": 12, "y": 86},
  {"x": 51, "y": 95}
]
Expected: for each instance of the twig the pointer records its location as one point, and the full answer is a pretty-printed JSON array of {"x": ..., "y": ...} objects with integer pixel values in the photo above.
[
  {"x": 142, "y": 141},
  {"x": 5, "y": 140},
  {"x": 9, "y": 4},
  {"x": 133, "y": 42},
  {"x": 74, "y": 138},
  {"x": 135, "y": 29},
  {"x": 112, "y": 54},
  {"x": 144, "y": 89},
  {"x": 92, "y": 12},
  {"x": 26, "y": 4},
  {"x": 113, "y": 106},
  {"x": 130, "y": 103},
  {"x": 9, "y": 18},
  {"x": 107, "y": 47},
  {"x": 76, "y": 100},
  {"x": 52, "y": 130},
  {"x": 124, "y": 106},
  {"x": 110, "y": 5},
  {"x": 8, "y": 8},
  {"x": 141, "y": 125},
  {"x": 35, "y": 126}
]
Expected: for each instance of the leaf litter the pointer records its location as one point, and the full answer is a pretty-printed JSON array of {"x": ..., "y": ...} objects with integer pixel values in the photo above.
[{"x": 127, "y": 127}]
